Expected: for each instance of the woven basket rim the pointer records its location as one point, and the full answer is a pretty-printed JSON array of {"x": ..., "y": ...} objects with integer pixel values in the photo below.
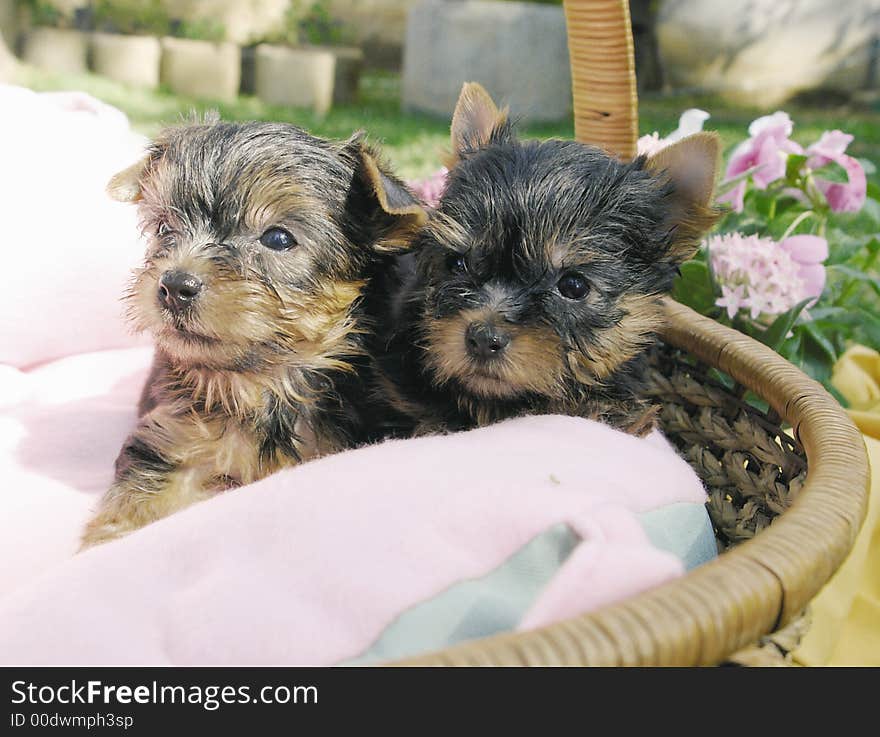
[
  {"x": 762, "y": 584},
  {"x": 748, "y": 591}
]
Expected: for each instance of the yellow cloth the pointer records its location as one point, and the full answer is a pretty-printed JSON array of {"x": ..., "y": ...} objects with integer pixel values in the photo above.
[{"x": 846, "y": 614}]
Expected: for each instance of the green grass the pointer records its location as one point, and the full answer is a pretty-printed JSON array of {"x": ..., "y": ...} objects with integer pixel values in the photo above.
[{"x": 415, "y": 143}]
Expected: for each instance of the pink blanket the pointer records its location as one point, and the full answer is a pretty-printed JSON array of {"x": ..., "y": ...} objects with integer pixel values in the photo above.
[{"x": 307, "y": 566}]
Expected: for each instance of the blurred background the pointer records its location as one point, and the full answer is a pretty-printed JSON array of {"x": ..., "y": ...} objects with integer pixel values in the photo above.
[{"x": 394, "y": 67}]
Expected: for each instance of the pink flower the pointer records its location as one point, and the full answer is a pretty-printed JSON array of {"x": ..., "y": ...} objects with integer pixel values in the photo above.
[
  {"x": 430, "y": 189},
  {"x": 650, "y": 144},
  {"x": 733, "y": 298},
  {"x": 765, "y": 151},
  {"x": 808, "y": 251},
  {"x": 765, "y": 277},
  {"x": 691, "y": 121},
  {"x": 848, "y": 197}
]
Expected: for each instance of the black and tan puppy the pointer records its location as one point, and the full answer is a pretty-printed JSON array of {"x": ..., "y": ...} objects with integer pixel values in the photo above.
[
  {"x": 262, "y": 241},
  {"x": 536, "y": 281}
]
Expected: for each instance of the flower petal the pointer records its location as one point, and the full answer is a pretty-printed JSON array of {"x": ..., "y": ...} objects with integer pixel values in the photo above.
[
  {"x": 779, "y": 124},
  {"x": 771, "y": 163},
  {"x": 813, "y": 277},
  {"x": 650, "y": 144},
  {"x": 690, "y": 122},
  {"x": 849, "y": 196},
  {"x": 830, "y": 145},
  {"x": 806, "y": 249}
]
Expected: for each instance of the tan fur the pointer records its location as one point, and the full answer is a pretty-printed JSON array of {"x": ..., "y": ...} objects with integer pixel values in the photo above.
[
  {"x": 473, "y": 121},
  {"x": 614, "y": 346},
  {"x": 409, "y": 218},
  {"x": 125, "y": 186},
  {"x": 692, "y": 165},
  {"x": 448, "y": 231},
  {"x": 531, "y": 363},
  {"x": 213, "y": 455},
  {"x": 243, "y": 369}
]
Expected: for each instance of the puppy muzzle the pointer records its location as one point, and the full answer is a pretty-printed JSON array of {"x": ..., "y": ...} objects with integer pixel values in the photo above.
[{"x": 178, "y": 290}]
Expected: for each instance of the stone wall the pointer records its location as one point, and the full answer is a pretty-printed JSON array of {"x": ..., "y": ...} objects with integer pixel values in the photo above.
[
  {"x": 377, "y": 26},
  {"x": 517, "y": 51},
  {"x": 763, "y": 52},
  {"x": 8, "y": 24},
  {"x": 245, "y": 21}
]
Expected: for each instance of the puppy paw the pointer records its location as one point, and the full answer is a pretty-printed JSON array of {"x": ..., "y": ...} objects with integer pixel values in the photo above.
[{"x": 102, "y": 530}]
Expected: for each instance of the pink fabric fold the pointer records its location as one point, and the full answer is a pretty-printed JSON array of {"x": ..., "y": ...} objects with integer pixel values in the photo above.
[
  {"x": 68, "y": 249},
  {"x": 307, "y": 566}
]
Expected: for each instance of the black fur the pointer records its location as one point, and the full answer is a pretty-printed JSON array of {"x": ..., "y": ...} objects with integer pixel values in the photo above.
[{"x": 507, "y": 206}]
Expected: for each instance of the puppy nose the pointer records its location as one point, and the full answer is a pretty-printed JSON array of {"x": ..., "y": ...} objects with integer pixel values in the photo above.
[
  {"x": 485, "y": 341},
  {"x": 177, "y": 289}
]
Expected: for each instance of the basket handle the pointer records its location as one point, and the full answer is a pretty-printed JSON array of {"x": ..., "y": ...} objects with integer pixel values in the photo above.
[{"x": 603, "y": 77}]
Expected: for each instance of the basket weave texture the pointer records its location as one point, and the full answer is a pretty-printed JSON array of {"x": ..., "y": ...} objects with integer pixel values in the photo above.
[{"x": 787, "y": 486}]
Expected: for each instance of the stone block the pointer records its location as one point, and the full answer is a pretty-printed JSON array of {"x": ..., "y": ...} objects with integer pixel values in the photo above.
[
  {"x": 201, "y": 69},
  {"x": 311, "y": 77},
  {"x": 57, "y": 50},
  {"x": 132, "y": 60},
  {"x": 517, "y": 51},
  {"x": 762, "y": 52}
]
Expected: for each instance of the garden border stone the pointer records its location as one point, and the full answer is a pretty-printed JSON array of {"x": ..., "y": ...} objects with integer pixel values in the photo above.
[
  {"x": 206, "y": 70},
  {"x": 315, "y": 77},
  {"x": 518, "y": 51},
  {"x": 133, "y": 60},
  {"x": 56, "y": 49}
]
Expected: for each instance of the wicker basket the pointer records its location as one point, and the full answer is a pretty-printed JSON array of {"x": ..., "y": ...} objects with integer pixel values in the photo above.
[{"x": 786, "y": 506}]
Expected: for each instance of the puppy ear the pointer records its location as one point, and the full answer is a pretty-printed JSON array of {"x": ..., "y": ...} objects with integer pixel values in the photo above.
[
  {"x": 382, "y": 203},
  {"x": 476, "y": 122},
  {"x": 691, "y": 166},
  {"x": 125, "y": 186}
]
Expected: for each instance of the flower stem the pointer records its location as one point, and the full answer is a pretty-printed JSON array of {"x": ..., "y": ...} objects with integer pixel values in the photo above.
[{"x": 797, "y": 221}]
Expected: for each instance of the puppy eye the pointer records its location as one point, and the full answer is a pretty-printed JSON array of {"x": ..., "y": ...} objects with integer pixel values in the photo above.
[
  {"x": 573, "y": 286},
  {"x": 162, "y": 229},
  {"x": 456, "y": 263},
  {"x": 278, "y": 239}
]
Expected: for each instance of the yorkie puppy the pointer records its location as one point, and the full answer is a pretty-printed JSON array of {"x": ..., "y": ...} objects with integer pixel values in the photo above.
[
  {"x": 534, "y": 287},
  {"x": 262, "y": 240}
]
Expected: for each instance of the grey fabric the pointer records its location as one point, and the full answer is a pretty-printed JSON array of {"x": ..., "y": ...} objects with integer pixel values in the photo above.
[
  {"x": 682, "y": 529},
  {"x": 476, "y": 607},
  {"x": 497, "y": 601}
]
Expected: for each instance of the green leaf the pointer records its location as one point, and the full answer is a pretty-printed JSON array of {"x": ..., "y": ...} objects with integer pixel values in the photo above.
[
  {"x": 775, "y": 335},
  {"x": 793, "y": 166},
  {"x": 871, "y": 209},
  {"x": 842, "y": 246},
  {"x": 814, "y": 361},
  {"x": 816, "y": 335},
  {"x": 764, "y": 202},
  {"x": 721, "y": 378},
  {"x": 762, "y": 405},
  {"x": 693, "y": 287},
  {"x": 791, "y": 346},
  {"x": 874, "y": 190},
  {"x": 868, "y": 165},
  {"x": 868, "y": 328},
  {"x": 828, "y": 313},
  {"x": 835, "y": 392},
  {"x": 832, "y": 172},
  {"x": 860, "y": 276}
]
